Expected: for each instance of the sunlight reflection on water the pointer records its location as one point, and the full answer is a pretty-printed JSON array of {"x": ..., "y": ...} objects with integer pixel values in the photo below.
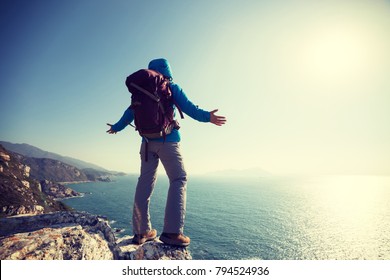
[
  {"x": 265, "y": 218},
  {"x": 349, "y": 218}
]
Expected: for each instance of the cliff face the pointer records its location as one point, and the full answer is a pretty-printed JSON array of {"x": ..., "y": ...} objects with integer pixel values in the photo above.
[{"x": 74, "y": 236}]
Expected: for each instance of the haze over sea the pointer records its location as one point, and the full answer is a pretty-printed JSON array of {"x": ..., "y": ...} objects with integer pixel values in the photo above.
[{"x": 271, "y": 218}]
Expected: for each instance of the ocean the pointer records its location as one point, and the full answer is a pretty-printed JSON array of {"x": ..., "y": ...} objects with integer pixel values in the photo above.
[{"x": 269, "y": 218}]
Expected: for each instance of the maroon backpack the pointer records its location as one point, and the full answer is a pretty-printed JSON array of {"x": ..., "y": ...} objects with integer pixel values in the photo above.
[{"x": 152, "y": 104}]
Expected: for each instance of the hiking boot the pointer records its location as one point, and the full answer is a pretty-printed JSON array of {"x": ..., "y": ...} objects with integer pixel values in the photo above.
[
  {"x": 177, "y": 239},
  {"x": 142, "y": 238}
]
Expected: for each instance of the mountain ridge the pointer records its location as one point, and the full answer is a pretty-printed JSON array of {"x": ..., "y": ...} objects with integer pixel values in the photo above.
[
  {"x": 35, "y": 152},
  {"x": 57, "y": 168}
]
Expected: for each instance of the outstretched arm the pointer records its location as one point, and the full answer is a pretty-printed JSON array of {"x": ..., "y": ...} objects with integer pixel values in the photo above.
[
  {"x": 217, "y": 120},
  {"x": 194, "y": 111},
  {"x": 126, "y": 119}
]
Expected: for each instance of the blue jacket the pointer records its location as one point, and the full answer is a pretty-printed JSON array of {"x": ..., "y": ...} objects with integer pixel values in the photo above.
[{"x": 162, "y": 66}]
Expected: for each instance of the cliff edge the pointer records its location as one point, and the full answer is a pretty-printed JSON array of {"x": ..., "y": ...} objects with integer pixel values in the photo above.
[{"x": 75, "y": 236}]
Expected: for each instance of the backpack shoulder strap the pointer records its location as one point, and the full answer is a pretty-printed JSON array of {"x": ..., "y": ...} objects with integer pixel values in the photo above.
[
  {"x": 178, "y": 108},
  {"x": 176, "y": 105},
  {"x": 151, "y": 95}
]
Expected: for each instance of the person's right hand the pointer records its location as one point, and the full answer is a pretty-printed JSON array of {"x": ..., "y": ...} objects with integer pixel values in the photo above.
[
  {"x": 217, "y": 120},
  {"x": 111, "y": 131}
]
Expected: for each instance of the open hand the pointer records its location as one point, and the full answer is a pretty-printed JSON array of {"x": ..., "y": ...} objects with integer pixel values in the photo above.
[
  {"x": 217, "y": 120},
  {"x": 111, "y": 131}
]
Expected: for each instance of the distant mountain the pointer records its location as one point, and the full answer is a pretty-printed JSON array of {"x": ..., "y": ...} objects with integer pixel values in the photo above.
[
  {"x": 34, "y": 152},
  {"x": 98, "y": 175},
  {"x": 53, "y": 170}
]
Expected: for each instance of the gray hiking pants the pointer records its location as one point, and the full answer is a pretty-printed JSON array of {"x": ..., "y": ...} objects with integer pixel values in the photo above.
[{"x": 170, "y": 156}]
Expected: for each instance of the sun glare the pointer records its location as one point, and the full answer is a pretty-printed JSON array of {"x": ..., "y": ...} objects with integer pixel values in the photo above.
[
  {"x": 337, "y": 55},
  {"x": 349, "y": 215}
]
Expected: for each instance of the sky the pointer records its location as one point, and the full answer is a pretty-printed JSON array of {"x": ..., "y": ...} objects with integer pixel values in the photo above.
[{"x": 304, "y": 84}]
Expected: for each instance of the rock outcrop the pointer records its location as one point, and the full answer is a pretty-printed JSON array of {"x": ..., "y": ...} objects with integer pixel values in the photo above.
[
  {"x": 57, "y": 236},
  {"x": 57, "y": 191},
  {"x": 74, "y": 236}
]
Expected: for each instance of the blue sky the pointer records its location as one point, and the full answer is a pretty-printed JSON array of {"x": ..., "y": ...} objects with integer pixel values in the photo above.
[{"x": 304, "y": 84}]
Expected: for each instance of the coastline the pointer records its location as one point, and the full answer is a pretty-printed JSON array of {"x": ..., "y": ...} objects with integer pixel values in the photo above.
[
  {"x": 70, "y": 197},
  {"x": 75, "y": 182}
]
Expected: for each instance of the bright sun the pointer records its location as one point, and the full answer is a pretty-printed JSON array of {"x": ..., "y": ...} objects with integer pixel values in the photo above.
[{"x": 337, "y": 55}]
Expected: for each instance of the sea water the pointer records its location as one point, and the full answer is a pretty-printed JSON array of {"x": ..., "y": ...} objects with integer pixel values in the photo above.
[{"x": 270, "y": 218}]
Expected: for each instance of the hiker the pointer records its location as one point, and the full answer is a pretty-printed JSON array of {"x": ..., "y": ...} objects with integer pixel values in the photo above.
[{"x": 165, "y": 148}]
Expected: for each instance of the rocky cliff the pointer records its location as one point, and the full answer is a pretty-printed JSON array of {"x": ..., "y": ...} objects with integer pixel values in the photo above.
[
  {"x": 74, "y": 236},
  {"x": 19, "y": 193}
]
